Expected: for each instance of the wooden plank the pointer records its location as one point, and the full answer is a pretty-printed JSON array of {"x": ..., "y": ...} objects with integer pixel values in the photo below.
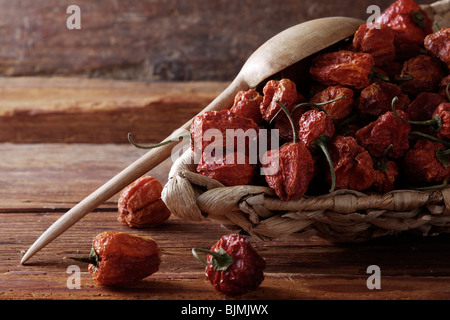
[
  {"x": 57, "y": 176},
  {"x": 55, "y": 109},
  {"x": 411, "y": 267},
  {"x": 151, "y": 39}
]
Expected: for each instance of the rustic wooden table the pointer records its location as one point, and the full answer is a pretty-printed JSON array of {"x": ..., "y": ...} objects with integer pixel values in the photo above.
[{"x": 47, "y": 166}]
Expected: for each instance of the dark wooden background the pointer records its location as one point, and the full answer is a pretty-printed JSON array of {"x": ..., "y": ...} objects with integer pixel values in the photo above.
[{"x": 151, "y": 40}]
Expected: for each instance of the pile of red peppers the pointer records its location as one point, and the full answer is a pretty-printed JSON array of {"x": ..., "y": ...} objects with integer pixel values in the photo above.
[{"x": 374, "y": 116}]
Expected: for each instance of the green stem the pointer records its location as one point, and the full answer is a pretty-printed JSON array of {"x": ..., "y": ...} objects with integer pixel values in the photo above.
[
  {"x": 154, "y": 145},
  {"x": 92, "y": 258},
  {"x": 419, "y": 19},
  {"x": 321, "y": 142},
  {"x": 220, "y": 259},
  {"x": 442, "y": 155},
  {"x": 375, "y": 76},
  {"x": 430, "y": 137},
  {"x": 319, "y": 104},
  {"x": 381, "y": 163},
  {"x": 438, "y": 186},
  {"x": 402, "y": 78},
  {"x": 291, "y": 121},
  {"x": 311, "y": 104},
  {"x": 435, "y": 122}
]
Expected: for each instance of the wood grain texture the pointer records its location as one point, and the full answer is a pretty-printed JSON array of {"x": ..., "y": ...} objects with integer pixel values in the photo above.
[
  {"x": 151, "y": 39},
  {"x": 412, "y": 267},
  {"x": 67, "y": 109}
]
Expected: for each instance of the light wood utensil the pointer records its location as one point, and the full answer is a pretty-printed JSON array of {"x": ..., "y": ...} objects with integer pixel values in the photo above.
[{"x": 278, "y": 53}]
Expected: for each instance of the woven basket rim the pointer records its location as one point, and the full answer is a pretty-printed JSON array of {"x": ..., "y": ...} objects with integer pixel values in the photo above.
[{"x": 344, "y": 215}]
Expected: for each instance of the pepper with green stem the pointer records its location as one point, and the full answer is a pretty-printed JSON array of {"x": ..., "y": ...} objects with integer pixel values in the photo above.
[
  {"x": 233, "y": 266},
  {"x": 121, "y": 259},
  {"x": 440, "y": 122},
  {"x": 427, "y": 163},
  {"x": 316, "y": 128},
  {"x": 290, "y": 169}
]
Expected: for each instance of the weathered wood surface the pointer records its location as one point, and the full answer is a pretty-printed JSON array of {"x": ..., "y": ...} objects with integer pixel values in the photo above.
[
  {"x": 152, "y": 39},
  {"x": 411, "y": 267},
  {"x": 40, "y": 181},
  {"x": 55, "y": 109}
]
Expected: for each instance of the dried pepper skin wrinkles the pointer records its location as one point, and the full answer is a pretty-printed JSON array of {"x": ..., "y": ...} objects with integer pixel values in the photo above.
[
  {"x": 316, "y": 128},
  {"x": 353, "y": 165},
  {"x": 123, "y": 259},
  {"x": 443, "y": 112},
  {"x": 409, "y": 23},
  {"x": 377, "y": 41},
  {"x": 283, "y": 125},
  {"x": 426, "y": 74},
  {"x": 438, "y": 44},
  {"x": 388, "y": 129},
  {"x": 344, "y": 68},
  {"x": 229, "y": 173},
  {"x": 221, "y": 121},
  {"x": 384, "y": 179},
  {"x": 140, "y": 204},
  {"x": 376, "y": 99},
  {"x": 421, "y": 164},
  {"x": 340, "y": 109},
  {"x": 284, "y": 91},
  {"x": 312, "y": 125},
  {"x": 295, "y": 170},
  {"x": 244, "y": 274},
  {"x": 423, "y": 106},
  {"x": 246, "y": 104}
]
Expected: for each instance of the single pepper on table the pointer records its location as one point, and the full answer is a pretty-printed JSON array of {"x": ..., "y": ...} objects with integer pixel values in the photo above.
[{"x": 233, "y": 266}]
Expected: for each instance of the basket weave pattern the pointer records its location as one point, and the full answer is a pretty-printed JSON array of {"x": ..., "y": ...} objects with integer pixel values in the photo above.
[{"x": 342, "y": 216}]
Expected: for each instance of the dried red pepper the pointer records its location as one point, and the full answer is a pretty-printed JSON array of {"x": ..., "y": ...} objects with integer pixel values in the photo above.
[
  {"x": 290, "y": 169},
  {"x": 344, "y": 68},
  {"x": 221, "y": 121},
  {"x": 282, "y": 124},
  {"x": 316, "y": 128},
  {"x": 353, "y": 165},
  {"x": 233, "y": 266},
  {"x": 246, "y": 104},
  {"x": 231, "y": 170},
  {"x": 443, "y": 113},
  {"x": 340, "y": 109},
  {"x": 140, "y": 204},
  {"x": 387, "y": 130},
  {"x": 121, "y": 259},
  {"x": 295, "y": 170},
  {"x": 440, "y": 121},
  {"x": 438, "y": 44},
  {"x": 283, "y": 90},
  {"x": 376, "y": 99},
  {"x": 426, "y": 74},
  {"x": 421, "y": 163},
  {"x": 376, "y": 40},
  {"x": 423, "y": 106},
  {"x": 385, "y": 178},
  {"x": 409, "y": 23}
]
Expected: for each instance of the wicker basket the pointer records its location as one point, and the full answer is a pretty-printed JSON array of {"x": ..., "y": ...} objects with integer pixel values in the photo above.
[{"x": 342, "y": 216}]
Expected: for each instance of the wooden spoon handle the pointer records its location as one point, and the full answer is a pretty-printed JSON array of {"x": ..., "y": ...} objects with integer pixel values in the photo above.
[{"x": 135, "y": 170}]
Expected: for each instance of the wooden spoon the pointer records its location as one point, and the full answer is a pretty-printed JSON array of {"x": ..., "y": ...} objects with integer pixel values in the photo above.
[{"x": 278, "y": 53}]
